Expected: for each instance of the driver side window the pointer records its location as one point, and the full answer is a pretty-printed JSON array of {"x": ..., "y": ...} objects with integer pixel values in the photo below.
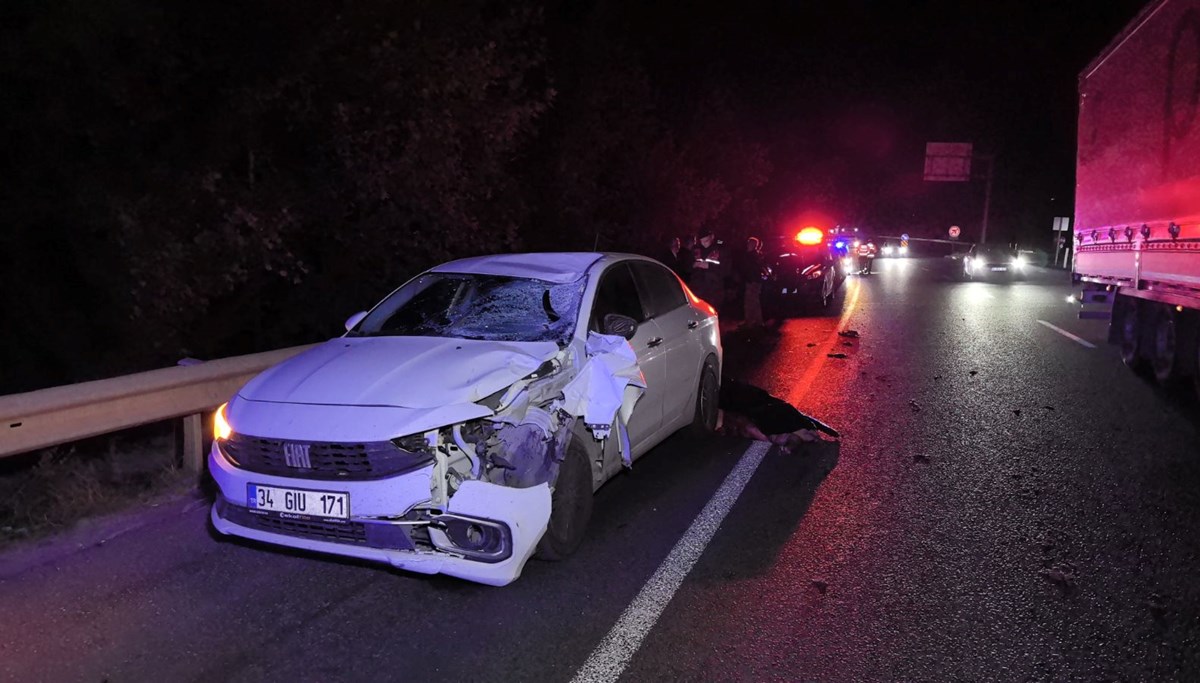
[{"x": 616, "y": 293}]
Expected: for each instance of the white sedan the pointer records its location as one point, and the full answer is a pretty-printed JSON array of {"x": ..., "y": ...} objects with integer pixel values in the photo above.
[{"x": 464, "y": 422}]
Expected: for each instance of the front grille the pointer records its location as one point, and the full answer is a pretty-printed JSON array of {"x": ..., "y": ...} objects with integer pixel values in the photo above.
[
  {"x": 321, "y": 460},
  {"x": 372, "y": 535}
]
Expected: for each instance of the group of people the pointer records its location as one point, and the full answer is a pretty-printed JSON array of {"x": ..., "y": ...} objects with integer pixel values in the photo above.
[{"x": 698, "y": 261}]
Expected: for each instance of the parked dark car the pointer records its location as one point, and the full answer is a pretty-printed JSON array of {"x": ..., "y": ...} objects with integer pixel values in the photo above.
[{"x": 804, "y": 273}]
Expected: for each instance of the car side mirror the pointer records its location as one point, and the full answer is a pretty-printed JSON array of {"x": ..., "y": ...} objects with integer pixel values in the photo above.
[
  {"x": 354, "y": 320},
  {"x": 621, "y": 325}
]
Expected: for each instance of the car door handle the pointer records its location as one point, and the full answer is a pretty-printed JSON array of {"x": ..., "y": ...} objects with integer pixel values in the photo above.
[
  {"x": 693, "y": 324},
  {"x": 654, "y": 342}
]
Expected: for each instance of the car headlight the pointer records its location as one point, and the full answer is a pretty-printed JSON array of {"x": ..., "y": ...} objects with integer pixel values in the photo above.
[
  {"x": 1019, "y": 262},
  {"x": 221, "y": 428},
  {"x": 887, "y": 251},
  {"x": 904, "y": 251},
  {"x": 978, "y": 262}
]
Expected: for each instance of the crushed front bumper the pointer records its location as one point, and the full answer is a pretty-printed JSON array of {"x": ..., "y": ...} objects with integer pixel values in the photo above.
[{"x": 381, "y": 527}]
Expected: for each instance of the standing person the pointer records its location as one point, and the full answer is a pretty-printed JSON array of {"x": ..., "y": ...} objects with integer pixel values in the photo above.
[
  {"x": 679, "y": 259},
  {"x": 708, "y": 275},
  {"x": 751, "y": 267}
]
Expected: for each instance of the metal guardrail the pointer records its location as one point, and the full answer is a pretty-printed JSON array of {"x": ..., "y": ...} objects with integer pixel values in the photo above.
[{"x": 58, "y": 415}]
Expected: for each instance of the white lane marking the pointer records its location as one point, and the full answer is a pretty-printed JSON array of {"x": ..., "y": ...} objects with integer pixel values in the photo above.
[
  {"x": 612, "y": 655},
  {"x": 1068, "y": 335}
]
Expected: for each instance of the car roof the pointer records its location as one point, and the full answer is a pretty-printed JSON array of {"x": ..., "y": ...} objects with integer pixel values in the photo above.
[{"x": 557, "y": 267}]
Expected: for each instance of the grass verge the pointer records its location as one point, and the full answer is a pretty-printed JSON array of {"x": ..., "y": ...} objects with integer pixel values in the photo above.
[{"x": 49, "y": 491}]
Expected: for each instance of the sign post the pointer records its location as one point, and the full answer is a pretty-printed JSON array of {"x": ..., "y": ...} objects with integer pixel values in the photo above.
[
  {"x": 951, "y": 162},
  {"x": 1062, "y": 225},
  {"x": 955, "y": 231}
]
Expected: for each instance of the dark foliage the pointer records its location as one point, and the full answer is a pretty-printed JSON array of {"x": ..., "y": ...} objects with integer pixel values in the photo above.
[{"x": 209, "y": 179}]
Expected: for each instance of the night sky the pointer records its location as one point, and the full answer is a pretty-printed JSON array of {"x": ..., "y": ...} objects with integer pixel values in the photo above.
[{"x": 862, "y": 86}]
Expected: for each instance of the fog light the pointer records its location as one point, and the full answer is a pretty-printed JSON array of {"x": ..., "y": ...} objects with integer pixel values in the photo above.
[{"x": 476, "y": 539}]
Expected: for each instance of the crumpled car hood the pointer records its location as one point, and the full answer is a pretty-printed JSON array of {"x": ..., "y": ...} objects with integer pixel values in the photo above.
[{"x": 409, "y": 372}]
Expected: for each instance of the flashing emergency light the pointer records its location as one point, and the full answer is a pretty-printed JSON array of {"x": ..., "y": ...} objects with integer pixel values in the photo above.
[{"x": 810, "y": 235}]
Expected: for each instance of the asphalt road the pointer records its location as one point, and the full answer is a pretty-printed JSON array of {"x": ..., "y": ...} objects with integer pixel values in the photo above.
[{"x": 1006, "y": 504}]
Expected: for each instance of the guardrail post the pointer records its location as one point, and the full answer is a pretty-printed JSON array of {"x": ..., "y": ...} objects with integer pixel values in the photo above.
[{"x": 193, "y": 443}]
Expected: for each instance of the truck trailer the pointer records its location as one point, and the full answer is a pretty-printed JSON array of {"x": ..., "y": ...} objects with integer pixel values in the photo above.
[{"x": 1137, "y": 198}]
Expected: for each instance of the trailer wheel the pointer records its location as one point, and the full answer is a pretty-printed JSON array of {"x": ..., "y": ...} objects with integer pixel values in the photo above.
[
  {"x": 1164, "y": 356},
  {"x": 1129, "y": 333},
  {"x": 1195, "y": 354}
]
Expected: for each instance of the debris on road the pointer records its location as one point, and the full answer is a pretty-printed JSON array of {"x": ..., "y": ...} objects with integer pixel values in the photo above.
[
  {"x": 912, "y": 403},
  {"x": 1048, "y": 407},
  {"x": 820, "y": 585},
  {"x": 853, "y": 334},
  {"x": 835, "y": 355},
  {"x": 973, "y": 373},
  {"x": 921, "y": 458},
  {"x": 847, "y": 344},
  {"x": 1061, "y": 575},
  {"x": 810, "y": 345},
  {"x": 1157, "y": 604},
  {"x": 1017, "y": 412}
]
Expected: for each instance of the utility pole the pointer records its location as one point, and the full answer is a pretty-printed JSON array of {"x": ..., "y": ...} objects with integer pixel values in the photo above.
[{"x": 987, "y": 194}]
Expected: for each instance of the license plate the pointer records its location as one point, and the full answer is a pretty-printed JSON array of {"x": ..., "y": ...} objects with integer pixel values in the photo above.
[
  {"x": 298, "y": 501},
  {"x": 1000, "y": 269}
]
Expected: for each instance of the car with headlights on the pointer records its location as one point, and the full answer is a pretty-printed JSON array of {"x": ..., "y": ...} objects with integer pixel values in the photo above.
[
  {"x": 464, "y": 422},
  {"x": 993, "y": 261}
]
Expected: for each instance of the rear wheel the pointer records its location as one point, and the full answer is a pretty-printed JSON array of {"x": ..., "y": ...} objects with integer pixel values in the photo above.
[
  {"x": 1129, "y": 333},
  {"x": 705, "y": 420},
  {"x": 570, "y": 505},
  {"x": 1194, "y": 353},
  {"x": 1164, "y": 356}
]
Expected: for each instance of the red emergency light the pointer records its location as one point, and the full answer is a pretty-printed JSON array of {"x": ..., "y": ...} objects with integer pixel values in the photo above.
[{"x": 810, "y": 235}]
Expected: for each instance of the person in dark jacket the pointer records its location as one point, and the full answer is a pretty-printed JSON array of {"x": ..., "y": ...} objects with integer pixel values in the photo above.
[
  {"x": 679, "y": 259},
  {"x": 750, "y": 274},
  {"x": 708, "y": 273}
]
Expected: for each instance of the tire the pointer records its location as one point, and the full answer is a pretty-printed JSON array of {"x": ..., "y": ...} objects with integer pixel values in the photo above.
[
  {"x": 1194, "y": 351},
  {"x": 1164, "y": 351},
  {"x": 1129, "y": 334},
  {"x": 704, "y": 421},
  {"x": 570, "y": 505}
]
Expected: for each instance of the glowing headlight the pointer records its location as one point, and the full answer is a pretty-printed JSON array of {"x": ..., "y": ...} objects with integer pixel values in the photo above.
[
  {"x": 904, "y": 251},
  {"x": 887, "y": 251},
  {"x": 221, "y": 428},
  {"x": 1019, "y": 262},
  {"x": 977, "y": 262}
]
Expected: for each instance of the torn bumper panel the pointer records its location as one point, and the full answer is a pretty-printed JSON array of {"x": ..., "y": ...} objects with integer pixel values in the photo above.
[{"x": 486, "y": 534}]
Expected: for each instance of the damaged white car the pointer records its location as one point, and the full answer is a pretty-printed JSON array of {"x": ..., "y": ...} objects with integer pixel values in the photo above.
[{"x": 465, "y": 422}]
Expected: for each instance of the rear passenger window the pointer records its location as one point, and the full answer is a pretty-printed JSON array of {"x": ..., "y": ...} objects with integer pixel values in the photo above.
[
  {"x": 661, "y": 290},
  {"x": 616, "y": 293}
]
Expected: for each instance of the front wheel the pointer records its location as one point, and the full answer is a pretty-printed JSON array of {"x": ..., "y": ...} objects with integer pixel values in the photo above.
[
  {"x": 704, "y": 422},
  {"x": 570, "y": 505}
]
